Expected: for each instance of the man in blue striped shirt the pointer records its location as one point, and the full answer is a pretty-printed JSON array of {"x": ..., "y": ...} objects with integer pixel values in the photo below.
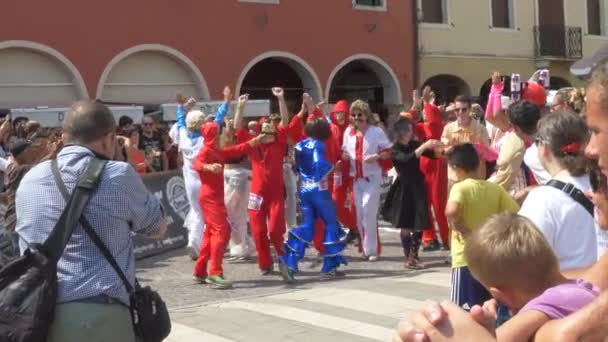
[{"x": 92, "y": 303}]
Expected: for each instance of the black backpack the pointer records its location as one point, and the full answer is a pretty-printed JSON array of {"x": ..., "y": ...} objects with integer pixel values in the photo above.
[{"x": 28, "y": 284}]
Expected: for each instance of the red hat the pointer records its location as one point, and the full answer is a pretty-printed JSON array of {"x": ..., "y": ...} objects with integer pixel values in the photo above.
[{"x": 534, "y": 93}]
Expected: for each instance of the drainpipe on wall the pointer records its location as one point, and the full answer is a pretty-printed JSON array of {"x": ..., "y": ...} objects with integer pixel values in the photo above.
[{"x": 416, "y": 75}]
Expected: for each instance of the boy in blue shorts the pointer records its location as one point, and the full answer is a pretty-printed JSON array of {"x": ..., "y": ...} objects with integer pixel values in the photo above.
[{"x": 471, "y": 202}]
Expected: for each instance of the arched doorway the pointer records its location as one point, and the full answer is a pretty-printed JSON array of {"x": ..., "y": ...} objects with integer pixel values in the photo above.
[
  {"x": 33, "y": 74},
  {"x": 279, "y": 69},
  {"x": 447, "y": 87},
  {"x": 484, "y": 91},
  {"x": 150, "y": 74},
  {"x": 365, "y": 77},
  {"x": 557, "y": 83}
]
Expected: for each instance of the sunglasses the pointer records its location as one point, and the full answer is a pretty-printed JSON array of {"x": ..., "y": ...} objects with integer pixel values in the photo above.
[
  {"x": 148, "y": 124},
  {"x": 598, "y": 181},
  {"x": 356, "y": 115},
  {"x": 460, "y": 110}
]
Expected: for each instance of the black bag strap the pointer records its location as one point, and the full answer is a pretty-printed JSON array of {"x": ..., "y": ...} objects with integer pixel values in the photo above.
[
  {"x": 86, "y": 184},
  {"x": 88, "y": 229},
  {"x": 574, "y": 193}
]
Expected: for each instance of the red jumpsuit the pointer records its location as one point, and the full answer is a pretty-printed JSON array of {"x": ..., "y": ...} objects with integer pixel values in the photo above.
[
  {"x": 211, "y": 198},
  {"x": 435, "y": 175},
  {"x": 267, "y": 196}
]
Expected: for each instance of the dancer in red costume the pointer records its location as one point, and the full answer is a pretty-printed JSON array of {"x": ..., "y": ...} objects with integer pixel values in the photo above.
[
  {"x": 267, "y": 198},
  {"x": 434, "y": 170},
  {"x": 209, "y": 165}
]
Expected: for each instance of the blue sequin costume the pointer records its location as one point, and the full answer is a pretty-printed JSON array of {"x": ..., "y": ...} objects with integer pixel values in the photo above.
[{"x": 315, "y": 202}]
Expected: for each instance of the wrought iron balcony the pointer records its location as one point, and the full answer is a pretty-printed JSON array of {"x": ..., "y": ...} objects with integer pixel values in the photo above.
[{"x": 558, "y": 42}]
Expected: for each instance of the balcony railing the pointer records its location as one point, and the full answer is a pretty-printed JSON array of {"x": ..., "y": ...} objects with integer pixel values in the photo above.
[{"x": 561, "y": 42}]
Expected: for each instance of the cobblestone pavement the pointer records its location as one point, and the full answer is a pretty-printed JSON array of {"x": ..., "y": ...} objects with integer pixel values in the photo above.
[{"x": 363, "y": 306}]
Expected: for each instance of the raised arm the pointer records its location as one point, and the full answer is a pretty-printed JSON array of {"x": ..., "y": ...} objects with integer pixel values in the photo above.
[
  {"x": 494, "y": 102},
  {"x": 240, "y": 109},
  {"x": 223, "y": 109},
  {"x": 280, "y": 94}
]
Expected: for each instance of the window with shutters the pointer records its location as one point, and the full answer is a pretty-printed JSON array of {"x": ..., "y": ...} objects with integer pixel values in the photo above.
[
  {"x": 596, "y": 18},
  {"x": 502, "y": 14},
  {"x": 433, "y": 11}
]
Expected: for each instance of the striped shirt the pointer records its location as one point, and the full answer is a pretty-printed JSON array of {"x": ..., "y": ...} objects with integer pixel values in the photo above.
[{"x": 120, "y": 207}]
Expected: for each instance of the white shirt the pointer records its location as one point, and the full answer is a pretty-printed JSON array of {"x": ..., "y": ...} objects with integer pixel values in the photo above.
[
  {"x": 374, "y": 141},
  {"x": 533, "y": 163},
  {"x": 568, "y": 227},
  {"x": 188, "y": 147}
]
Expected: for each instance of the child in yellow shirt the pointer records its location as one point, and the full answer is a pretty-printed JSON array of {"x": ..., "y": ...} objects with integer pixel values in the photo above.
[{"x": 471, "y": 202}]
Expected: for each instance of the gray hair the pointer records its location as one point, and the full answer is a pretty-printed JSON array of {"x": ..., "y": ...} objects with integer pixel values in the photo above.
[{"x": 599, "y": 76}]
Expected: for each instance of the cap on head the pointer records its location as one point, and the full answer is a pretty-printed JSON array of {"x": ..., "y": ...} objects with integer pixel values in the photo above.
[
  {"x": 534, "y": 93},
  {"x": 584, "y": 66}
]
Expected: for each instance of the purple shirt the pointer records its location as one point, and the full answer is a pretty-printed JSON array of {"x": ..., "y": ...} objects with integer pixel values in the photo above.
[{"x": 564, "y": 299}]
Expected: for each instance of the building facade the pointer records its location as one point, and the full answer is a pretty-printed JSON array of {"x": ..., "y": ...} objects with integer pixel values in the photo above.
[
  {"x": 462, "y": 42},
  {"x": 54, "y": 52}
]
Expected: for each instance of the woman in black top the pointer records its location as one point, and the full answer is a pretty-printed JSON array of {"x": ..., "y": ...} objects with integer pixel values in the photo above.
[{"x": 406, "y": 202}]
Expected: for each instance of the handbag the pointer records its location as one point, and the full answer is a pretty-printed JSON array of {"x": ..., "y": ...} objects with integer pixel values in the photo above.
[
  {"x": 151, "y": 322},
  {"x": 577, "y": 195},
  {"x": 28, "y": 284}
]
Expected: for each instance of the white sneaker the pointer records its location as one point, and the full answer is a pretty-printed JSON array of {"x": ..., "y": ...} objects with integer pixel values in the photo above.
[{"x": 372, "y": 258}]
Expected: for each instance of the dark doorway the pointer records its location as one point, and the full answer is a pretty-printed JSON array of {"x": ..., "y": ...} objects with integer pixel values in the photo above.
[
  {"x": 272, "y": 72},
  {"x": 356, "y": 81},
  {"x": 484, "y": 92},
  {"x": 447, "y": 87},
  {"x": 557, "y": 83},
  {"x": 551, "y": 28}
]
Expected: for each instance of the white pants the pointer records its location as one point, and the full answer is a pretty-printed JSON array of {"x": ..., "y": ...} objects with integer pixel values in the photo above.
[
  {"x": 367, "y": 201},
  {"x": 291, "y": 189},
  {"x": 194, "y": 221},
  {"x": 236, "y": 197}
]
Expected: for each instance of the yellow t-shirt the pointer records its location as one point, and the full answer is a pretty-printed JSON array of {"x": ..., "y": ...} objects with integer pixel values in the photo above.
[{"x": 478, "y": 200}]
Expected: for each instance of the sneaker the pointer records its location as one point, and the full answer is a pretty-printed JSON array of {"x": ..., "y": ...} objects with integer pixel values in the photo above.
[
  {"x": 333, "y": 274},
  {"x": 351, "y": 237},
  {"x": 218, "y": 282},
  {"x": 200, "y": 280},
  {"x": 267, "y": 271},
  {"x": 413, "y": 263},
  {"x": 192, "y": 252},
  {"x": 372, "y": 258},
  {"x": 431, "y": 246},
  {"x": 287, "y": 274},
  {"x": 445, "y": 247}
]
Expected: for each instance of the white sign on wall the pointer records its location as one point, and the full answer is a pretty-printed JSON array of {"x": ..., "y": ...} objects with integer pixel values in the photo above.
[
  {"x": 53, "y": 117},
  {"x": 254, "y": 108}
]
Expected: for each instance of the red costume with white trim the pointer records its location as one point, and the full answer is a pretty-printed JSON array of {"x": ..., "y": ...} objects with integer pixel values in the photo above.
[
  {"x": 435, "y": 175},
  {"x": 211, "y": 198},
  {"x": 367, "y": 181},
  {"x": 267, "y": 195}
]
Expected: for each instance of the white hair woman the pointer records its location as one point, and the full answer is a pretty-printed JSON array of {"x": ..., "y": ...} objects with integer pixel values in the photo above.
[{"x": 365, "y": 146}]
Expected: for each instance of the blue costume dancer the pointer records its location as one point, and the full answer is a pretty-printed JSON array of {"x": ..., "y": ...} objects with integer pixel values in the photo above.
[{"x": 315, "y": 201}]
